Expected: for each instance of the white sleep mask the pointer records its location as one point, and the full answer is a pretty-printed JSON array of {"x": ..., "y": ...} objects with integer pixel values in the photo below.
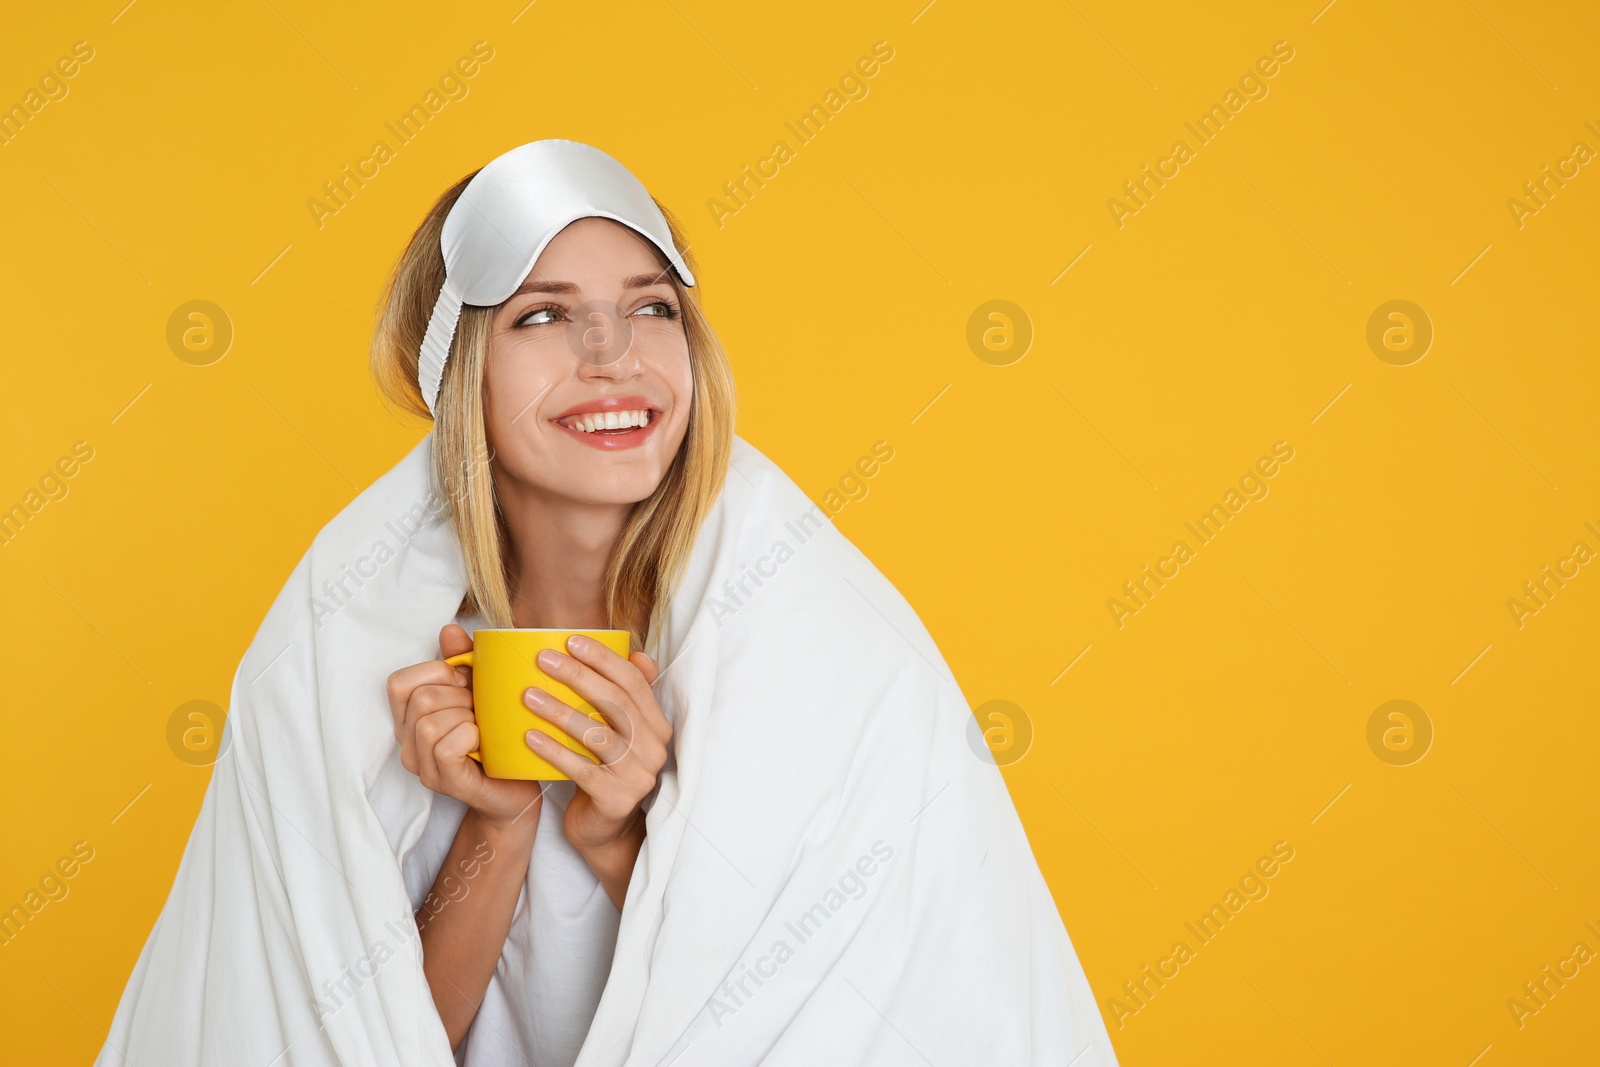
[{"x": 506, "y": 216}]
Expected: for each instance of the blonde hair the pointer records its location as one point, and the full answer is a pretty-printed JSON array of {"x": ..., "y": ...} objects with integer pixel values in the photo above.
[{"x": 660, "y": 530}]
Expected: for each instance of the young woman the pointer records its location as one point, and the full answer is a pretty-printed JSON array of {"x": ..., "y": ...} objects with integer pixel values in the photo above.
[
  {"x": 607, "y": 406},
  {"x": 786, "y": 843}
]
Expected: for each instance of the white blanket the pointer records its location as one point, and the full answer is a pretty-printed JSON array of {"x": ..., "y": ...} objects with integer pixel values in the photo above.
[{"x": 830, "y": 874}]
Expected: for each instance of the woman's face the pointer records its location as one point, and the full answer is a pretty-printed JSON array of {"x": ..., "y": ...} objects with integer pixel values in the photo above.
[{"x": 588, "y": 381}]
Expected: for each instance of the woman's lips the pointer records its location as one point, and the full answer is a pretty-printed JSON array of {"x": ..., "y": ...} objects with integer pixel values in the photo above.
[
  {"x": 612, "y": 403},
  {"x": 610, "y": 423}
]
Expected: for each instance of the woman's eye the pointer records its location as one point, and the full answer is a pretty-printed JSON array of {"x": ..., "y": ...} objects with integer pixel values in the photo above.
[
  {"x": 539, "y": 315},
  {"x": 659, "y": 308}
]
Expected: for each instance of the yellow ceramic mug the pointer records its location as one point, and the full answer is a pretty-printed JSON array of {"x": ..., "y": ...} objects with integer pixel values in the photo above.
[{"x": 504, "y": 664}]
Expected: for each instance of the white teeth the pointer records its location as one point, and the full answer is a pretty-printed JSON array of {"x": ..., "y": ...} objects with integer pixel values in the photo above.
[{"x": 609, "y": 420}]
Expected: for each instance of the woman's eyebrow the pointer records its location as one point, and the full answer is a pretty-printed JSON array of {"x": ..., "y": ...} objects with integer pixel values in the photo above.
[
  {"x": 546, "y": 287},
  {"x": 638, "y": 281}
]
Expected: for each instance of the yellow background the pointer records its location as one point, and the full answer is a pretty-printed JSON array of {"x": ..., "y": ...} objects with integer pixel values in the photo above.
[{"x": 1223, "y": 317}]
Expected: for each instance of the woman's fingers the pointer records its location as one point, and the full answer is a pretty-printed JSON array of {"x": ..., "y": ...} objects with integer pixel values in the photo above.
[
  {"x": 454, "y": 640},
  {"x": 607, "y": 744},
  {"x": 585, "y": 772},
  {"x": 610, "y": 699},
  {"x": 457, "y": 772},
  {"x": 431, "y": 732},
  {"x": 605, "y": 663},
  {"x": 650, "y": 670},
  {"x": 613, "y": 790},
  {"x": 631, "y": 753},
  {"x": 427, "y": 700},
  {"x": 617, "y": 687},
  {"x": 647, "y": 667},
  {"x": 404, "y": 682}
]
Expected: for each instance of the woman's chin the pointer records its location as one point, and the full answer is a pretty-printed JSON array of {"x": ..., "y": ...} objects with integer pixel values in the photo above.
[{"x": 611, "y": 477}]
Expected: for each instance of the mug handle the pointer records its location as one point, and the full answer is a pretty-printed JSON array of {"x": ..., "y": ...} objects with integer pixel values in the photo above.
[{"x": 464, "y": 659}]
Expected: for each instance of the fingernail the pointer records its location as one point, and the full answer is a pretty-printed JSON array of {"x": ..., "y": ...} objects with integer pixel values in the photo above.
[
  {"x": 549, "y": 659},
  {"x": 535, "y": 738},
  {"x": 578, "y": 643},
  {"x": 533, "y": 698}
]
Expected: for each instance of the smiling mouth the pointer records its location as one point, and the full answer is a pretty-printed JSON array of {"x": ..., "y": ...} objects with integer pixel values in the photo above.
[
  {"x": 611, "y": 423},
  {"x": 608, "y": 422}
]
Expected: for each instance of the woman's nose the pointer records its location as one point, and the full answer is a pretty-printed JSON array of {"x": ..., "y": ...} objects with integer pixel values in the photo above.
[{"x": 602, "y": 339}]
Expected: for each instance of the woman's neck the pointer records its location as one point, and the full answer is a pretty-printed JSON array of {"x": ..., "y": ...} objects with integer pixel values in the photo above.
[{"x": 559, "y": 553}]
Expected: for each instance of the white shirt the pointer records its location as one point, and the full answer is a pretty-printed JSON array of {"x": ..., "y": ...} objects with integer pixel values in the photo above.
[{"x": 566, "y": 973}]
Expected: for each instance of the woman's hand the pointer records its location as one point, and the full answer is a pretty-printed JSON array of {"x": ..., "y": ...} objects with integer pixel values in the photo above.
[
  {"x": 630, "y": 746},
  {"x": 433, "y": 721}
]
